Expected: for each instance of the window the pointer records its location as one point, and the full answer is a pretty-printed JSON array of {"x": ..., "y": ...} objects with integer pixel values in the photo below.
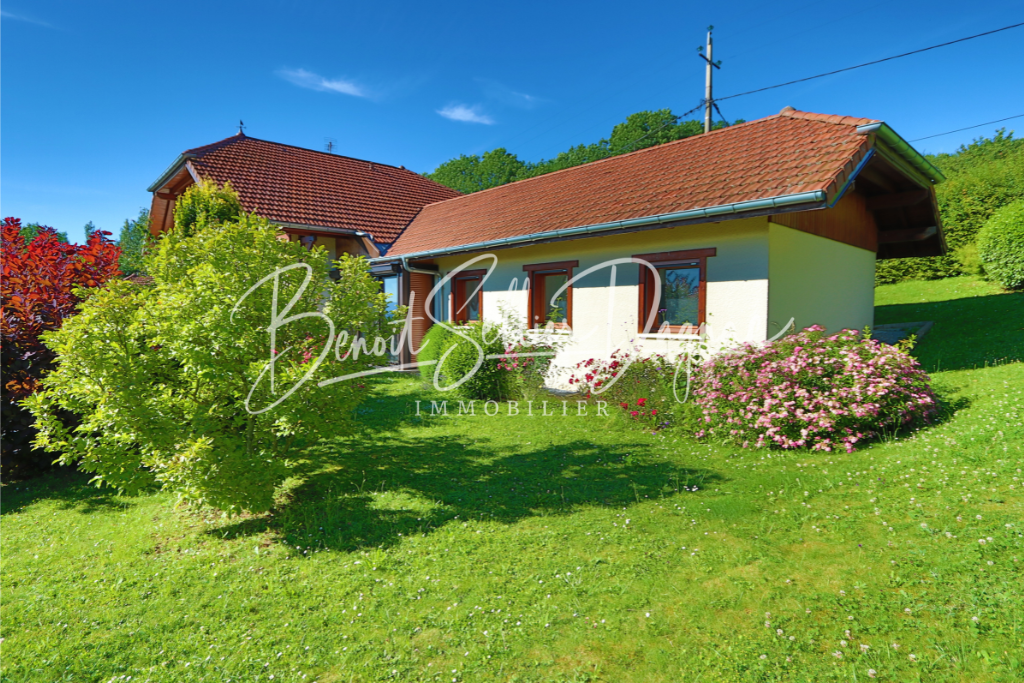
[
  {"x": 468, "y": 298},
  {"x": 682, "y": 276},
  {"x": 545, "y": 281},
  {"x": 389, "y": 285}
]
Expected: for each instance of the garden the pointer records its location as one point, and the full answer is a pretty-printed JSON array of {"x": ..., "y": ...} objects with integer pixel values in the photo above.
[{"x": 825, "y": 507}]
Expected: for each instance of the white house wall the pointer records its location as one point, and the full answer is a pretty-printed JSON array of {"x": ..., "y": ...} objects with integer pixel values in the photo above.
[
  {"x": 606, "y": 318},
  {"x": 818, "y": 281}
]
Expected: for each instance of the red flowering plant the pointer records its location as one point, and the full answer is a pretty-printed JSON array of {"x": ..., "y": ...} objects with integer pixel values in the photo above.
[
  {"x": 648, "y": 388},
  {"x": 812, "y": 391},
  {"x": 39, "y": 290}
]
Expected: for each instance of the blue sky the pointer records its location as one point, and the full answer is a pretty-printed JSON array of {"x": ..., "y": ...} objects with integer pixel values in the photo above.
[{"x": 98, "y": 98}]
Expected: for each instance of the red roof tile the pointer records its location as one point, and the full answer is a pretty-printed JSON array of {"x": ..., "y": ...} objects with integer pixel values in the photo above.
[
  {"x": 789, "y": 153},
  {"x": 296, "y": 185}
]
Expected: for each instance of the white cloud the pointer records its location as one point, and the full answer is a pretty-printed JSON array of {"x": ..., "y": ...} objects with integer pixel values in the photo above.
[
  {"x": 460, "y": 112},
  {"x": 21, "y": 17},
  {"x": 312, "y": 81}
]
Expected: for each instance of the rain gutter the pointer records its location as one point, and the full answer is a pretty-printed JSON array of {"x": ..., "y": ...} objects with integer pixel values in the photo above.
[
  {"x": 169, "y": 173},
  {"x": 710, "y": 213},
  {"x": 903, "y": 148}
]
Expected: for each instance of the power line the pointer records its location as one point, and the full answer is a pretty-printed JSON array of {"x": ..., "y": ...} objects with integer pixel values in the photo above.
[
  {"x": 877, "y": 61},
  {"x": 948, "y": 132}
]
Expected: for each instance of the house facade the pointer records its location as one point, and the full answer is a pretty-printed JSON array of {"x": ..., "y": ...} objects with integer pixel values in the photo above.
[{"x": 740, "y": 234}]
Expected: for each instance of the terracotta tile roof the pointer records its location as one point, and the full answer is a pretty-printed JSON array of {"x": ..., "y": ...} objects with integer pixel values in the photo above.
[
  {"x": 296, "y": 185},
  {"x": 789, "y": 153}
]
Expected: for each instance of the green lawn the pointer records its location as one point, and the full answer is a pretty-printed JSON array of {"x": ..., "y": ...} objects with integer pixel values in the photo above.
[{"x": 562, "y": 549}]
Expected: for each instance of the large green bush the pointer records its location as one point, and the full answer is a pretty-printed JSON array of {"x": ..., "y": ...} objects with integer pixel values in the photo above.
[
  {"x": 463, "y": 362},
  {"x": 981, "y": 178},
  {"x": 431, "y": 347},
  {"x": 175, "y": 383},
  {"x": 490, "y": 361},
  {"x": 1001, "y": 246}
]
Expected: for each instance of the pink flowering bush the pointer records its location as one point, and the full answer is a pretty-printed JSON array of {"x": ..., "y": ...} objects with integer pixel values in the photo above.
[{"x": 812, "y": 391}]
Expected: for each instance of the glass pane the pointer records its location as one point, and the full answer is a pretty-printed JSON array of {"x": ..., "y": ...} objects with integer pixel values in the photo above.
[
  {"x": 559, "y": 311},
  {"x": 391, "y": 289},
  {"x": 473, "y": 307},
  {"x": 680, "y": 303}
]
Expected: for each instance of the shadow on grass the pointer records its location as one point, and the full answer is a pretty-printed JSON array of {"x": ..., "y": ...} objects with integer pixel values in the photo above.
[
  {"x": 393, "y": 487},
  {"x": 968, "y": 333},
  {"x": 67, "y": 487}
]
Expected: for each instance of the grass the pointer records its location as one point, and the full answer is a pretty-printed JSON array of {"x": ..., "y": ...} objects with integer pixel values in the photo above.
[
  {"x": 475, "y": 548},
  {"x": 976, "y": 323}
]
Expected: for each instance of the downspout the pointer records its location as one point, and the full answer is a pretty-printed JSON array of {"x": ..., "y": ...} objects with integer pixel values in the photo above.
[{"x": 851, "y": 178}]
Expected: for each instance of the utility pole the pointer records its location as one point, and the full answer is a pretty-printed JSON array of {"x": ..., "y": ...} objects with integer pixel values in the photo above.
[{"x": 709, "y": 101}]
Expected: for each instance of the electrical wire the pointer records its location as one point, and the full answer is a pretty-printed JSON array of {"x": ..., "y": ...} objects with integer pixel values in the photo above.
[
  {"x": 720, "y": 114},
  {"x": 877, "y": 61},
  {"x": 948, "y": 132}
]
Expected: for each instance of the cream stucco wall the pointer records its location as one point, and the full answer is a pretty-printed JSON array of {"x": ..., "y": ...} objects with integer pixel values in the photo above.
[
  {"x": 818, "y": 281},
  {"x": 605, "y": 317}
]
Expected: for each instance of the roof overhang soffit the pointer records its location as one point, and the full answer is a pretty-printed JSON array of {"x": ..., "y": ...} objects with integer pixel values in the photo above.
[{"x": 182, "y": 162}]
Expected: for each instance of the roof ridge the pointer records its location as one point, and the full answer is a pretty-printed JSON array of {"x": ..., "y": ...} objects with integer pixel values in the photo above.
[
  {"x": 688, "y": 138},
  {"x": 205, "y": 149},
  {"x": 241, "y": 136},
  {"x": 790, "y": 112}
]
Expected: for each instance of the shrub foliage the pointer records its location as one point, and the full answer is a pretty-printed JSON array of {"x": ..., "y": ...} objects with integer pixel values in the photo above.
[
  {"x": 649, "y": 390},
  {"x": 1001, "y": 246},
  {"x": 174, "y": 383},
  {"x": 39, "y": 290},
  {"x": 809, "y": 390}
]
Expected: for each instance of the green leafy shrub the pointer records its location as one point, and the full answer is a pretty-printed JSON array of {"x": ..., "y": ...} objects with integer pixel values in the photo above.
[
  {"x": 205, "y": 204},
  {"x": 970, "y": 260},
  {"x": 176, "y": 383},
  {"x": 463, "y": 363},
  {"x": 811, "y": 391},
  {"x": 1001, "y": 246},
  {"x": 516, "y": 370},
  {"x": 650, "y": 391},
  {"x": 431, "y": 347}
]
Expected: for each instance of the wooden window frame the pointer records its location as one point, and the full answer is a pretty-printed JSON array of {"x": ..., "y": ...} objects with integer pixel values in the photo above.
[
  {"x": 459, "y": 292},
  {"x": 669, "y": 259},
  {"x": 553, "y": 268}
]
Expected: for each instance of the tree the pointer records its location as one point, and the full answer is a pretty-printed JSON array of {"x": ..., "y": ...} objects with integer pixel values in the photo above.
[
  {"x": 472, "y": 173},
  {"x": 498, "y": 167},
  {"x": 39, "y": 292},
  {"x": 181, "y": 384},
  {"x": 29, "y": 231},
  {"x": 134, "y": 240}
]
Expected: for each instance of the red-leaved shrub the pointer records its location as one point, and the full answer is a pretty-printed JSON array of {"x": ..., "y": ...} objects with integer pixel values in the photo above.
[
  {"x": 36, "y": 288},
  {"x": 812, "y": 391}
]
